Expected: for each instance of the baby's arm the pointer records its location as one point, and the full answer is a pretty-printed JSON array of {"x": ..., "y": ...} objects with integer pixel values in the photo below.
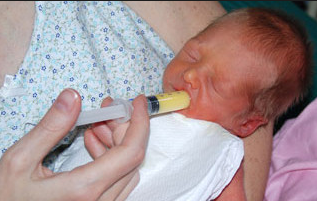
[{"x": 235, "y": 189}]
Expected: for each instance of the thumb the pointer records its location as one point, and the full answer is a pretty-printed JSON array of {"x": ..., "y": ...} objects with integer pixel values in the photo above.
[{"x": 53, "y": 127}]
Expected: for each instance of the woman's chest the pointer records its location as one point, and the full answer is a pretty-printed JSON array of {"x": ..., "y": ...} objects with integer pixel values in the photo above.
[{"x": 16, "y": 25}]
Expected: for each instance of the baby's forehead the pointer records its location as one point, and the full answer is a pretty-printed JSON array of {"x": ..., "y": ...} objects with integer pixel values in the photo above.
[{"x": 226, "y": 31}]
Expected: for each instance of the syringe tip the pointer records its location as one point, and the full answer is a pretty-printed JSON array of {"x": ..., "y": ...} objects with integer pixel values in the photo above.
[{"x": 168, "y": 102}]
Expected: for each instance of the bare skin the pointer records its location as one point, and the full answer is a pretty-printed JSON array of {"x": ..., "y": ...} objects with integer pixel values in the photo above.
[
  {"x": 178, "y": 21},
  {"x": 175, "y": 22},
  {"x": 23, "y": 177},
  {"x": 176, "y": 25},
  {"x": 16, "y": 27}
]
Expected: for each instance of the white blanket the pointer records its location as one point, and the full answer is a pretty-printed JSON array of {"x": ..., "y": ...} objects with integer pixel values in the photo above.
[{"x": 186, "y": 159}]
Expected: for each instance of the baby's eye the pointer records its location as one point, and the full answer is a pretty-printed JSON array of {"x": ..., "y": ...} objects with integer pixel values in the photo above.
[
  {"x": 189, "y": 57},
  {"x": 191, "y": 51}
]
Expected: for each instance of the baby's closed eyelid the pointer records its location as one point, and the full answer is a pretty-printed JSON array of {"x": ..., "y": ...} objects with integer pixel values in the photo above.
[
  {"x": 191, "y": 49},
  {"x": 190, "y": 56}
]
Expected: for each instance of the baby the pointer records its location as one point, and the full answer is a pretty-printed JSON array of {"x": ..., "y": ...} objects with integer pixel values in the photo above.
[{"x": 241, "y": 72}]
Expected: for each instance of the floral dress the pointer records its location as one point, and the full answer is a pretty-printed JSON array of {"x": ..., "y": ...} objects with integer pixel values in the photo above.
[{"x": 99, "y": 49}]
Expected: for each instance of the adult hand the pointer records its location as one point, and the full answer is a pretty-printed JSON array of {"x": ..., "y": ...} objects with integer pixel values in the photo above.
[
  {"x": 104, "y": 136},
  {"x": 22, "y": 176}
]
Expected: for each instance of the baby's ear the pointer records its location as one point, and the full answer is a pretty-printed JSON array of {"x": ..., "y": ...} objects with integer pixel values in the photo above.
[{"x": 250, "y": 124}]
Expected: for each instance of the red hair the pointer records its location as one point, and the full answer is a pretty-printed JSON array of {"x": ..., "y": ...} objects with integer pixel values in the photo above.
[{"x": 276, "y": 39}]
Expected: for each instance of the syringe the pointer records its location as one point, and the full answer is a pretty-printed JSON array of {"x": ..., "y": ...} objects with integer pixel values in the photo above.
[{"x": 121, "y": 110}]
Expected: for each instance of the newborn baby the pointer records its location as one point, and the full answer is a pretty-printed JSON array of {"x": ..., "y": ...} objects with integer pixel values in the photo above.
[{"x": 241, "y": 72}]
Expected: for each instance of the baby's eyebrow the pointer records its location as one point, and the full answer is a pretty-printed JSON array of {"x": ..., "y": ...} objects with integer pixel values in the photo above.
[
  {"x": 224, "y": 85},
  {"x": 194, "y": 42}
]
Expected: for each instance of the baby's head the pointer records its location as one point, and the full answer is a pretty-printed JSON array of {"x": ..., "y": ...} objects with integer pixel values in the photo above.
[{"x": 243, "y": 70}]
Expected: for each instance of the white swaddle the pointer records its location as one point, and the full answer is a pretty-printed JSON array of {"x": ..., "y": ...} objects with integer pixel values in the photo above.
[{"x": 186, "y": 159}]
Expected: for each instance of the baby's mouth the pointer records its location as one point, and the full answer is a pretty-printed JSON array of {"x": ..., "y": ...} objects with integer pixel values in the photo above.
[{"x": 172, "y": 88}]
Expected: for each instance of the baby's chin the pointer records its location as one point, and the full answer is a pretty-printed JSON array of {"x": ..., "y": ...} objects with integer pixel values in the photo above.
[
  {"x": 193, "y": 114},
  {"x": 184, "y": 112}
]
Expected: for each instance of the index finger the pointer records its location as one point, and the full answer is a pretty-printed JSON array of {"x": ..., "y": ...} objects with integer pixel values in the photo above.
[{"x": 120, "y": 160}]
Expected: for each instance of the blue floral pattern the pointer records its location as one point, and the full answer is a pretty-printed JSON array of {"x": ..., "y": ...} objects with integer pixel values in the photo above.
[{"x": 98, "y": 48}]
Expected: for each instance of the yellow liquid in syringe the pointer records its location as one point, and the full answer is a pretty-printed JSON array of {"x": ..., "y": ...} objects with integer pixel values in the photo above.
[{"x": 167, "y": 102}]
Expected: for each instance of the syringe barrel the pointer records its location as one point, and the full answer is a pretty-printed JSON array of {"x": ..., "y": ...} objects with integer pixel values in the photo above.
[
  {"x": 167, "y": 102},
  {"x": 121, "y": 110}
]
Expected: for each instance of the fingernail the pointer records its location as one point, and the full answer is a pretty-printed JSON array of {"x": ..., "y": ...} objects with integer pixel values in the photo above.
[{"x": 65, "y": 100}]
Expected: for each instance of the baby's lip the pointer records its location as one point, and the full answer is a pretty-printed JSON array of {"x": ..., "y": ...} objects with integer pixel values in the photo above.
[
  {"x": 184, "y": 89},
  {"x": 176, "y": 88},
  {"x": 179, "y": 89}
]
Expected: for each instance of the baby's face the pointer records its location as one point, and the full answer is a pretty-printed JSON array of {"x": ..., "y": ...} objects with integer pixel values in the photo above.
[{"x": 212, "y": 68}]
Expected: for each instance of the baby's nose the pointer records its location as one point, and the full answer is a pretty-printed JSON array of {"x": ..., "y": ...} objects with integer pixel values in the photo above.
[{"x": 192, "y": 78}]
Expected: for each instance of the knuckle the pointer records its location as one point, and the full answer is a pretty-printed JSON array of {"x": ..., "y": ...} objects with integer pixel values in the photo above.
[
  {"x": 46, "y": 125},
  {"x": 138, "y": 155}
]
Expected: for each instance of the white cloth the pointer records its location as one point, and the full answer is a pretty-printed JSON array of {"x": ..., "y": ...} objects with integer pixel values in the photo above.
[{"x": 186, "y": 159}]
